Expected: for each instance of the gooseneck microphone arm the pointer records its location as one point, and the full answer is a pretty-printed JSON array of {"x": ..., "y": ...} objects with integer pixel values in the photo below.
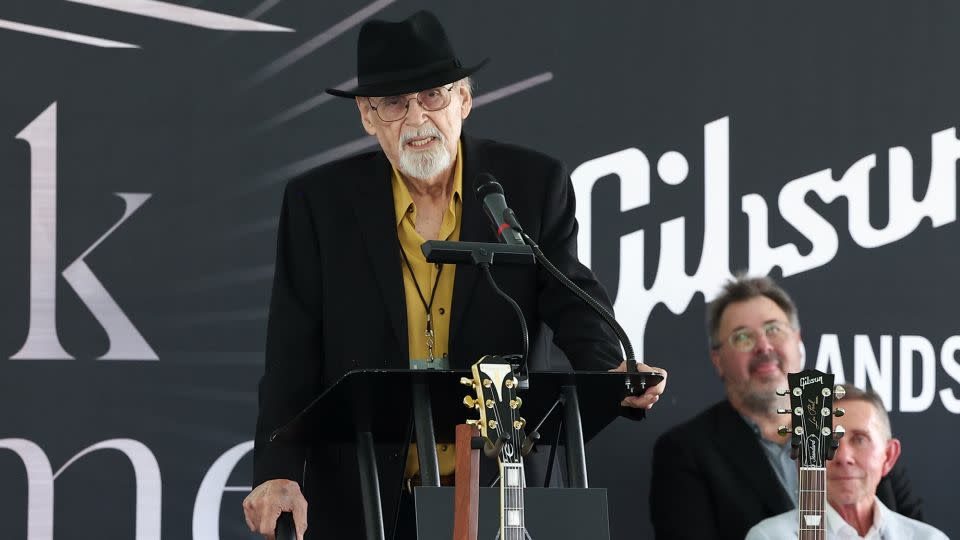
[
  {"x": 583, "y": 295},
  {"x": 508, "y": 230},
  {"x": 524, "y": 332}
]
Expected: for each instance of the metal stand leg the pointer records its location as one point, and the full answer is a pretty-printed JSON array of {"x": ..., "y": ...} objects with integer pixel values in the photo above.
[
  {"x": 576, "y": 455},
  {"x": 370, "y": 486},
  {"x": 426, "y": 440}
]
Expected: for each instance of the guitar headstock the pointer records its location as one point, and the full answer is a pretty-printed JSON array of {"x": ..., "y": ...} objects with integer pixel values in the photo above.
[
  {"x": 811, "y": 410},
  {"x": 496, "y": 400}
]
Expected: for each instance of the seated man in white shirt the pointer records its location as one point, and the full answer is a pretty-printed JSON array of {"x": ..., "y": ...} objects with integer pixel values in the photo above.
[{"x": 866, "y": 454}]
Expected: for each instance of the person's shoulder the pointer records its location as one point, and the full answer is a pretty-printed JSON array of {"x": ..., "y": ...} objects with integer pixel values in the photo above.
[
  {"x": 499, "y": 151},
  {"x": 336, "y": 172},
  {"x": 695, "y": 427},
  {"x": 777, "y": 527},
  {"x": 919, "y": 529}
]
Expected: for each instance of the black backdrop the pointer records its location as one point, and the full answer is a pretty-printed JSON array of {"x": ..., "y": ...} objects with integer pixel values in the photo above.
[{"x": 811, "y": 141}]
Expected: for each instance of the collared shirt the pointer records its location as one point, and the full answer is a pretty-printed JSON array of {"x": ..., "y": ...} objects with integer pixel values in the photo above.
[
  {"x": 839, "y": 529},
  {"x": 779, "y": 457},
  {"x": 887, "y": 525},
  {"x": 426, "y": 273}
]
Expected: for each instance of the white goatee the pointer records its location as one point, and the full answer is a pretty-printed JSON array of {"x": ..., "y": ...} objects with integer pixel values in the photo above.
[{"x": 424, "y": 164}]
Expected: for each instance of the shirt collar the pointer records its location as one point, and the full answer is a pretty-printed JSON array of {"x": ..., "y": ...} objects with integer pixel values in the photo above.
[
  {"x": 756, "y": 431},
  {"x": 403, "y": 202},
  {"x": 836, "y": 523}
]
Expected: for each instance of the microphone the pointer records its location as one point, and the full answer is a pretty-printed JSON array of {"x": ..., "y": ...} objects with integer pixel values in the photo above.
[
  {"x": 504, "y": 222},
  {"x": 490, "y": 192}
]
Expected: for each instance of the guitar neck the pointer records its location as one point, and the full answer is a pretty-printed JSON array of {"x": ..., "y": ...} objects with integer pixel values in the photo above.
[
  {"x": 511, "y": 500},
  {"x": 812, "y": 503}
]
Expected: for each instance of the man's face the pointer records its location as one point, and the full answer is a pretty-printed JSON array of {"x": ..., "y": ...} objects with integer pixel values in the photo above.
[
  {"x": 751, "y": 377},
  {"x": 423, "y": 144},
  {"x": 866, "y": 454}
]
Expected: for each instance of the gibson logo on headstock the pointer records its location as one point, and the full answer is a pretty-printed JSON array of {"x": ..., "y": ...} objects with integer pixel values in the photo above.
[{"x": 804, "y": 381}]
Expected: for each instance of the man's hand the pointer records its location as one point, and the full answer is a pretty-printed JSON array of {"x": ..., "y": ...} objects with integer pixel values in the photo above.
[
  {"x": 652, "y": 394},
  {"x": 264, "y": 505}
]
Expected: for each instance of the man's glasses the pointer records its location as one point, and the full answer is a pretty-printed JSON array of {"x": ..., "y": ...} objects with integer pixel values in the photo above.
[
  {"x": 745, "y": 339},
  {"x": 393, "y": 108}
]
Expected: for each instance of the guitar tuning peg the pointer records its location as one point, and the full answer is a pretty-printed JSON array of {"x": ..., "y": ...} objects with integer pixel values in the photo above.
[
  {"x": 783, "y": 431},
  {"x": 515, "y": 403},
  {"x": 472, "y": 422},
  {"x": 781, "y": 391},
  {"x": 466, "y": 381},
  {"x": 840, "y": 411},
  {"x": 781, "y": 410},
  {"x": 471, "y": 403},
  {"x": 838, "y": 433},
  {"x": 839, "y": 392},
  {"x": 519, "y": 423}
]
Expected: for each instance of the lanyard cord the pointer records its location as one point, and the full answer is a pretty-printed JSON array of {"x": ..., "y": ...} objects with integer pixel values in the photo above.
[{"x": 428, "y": 307}]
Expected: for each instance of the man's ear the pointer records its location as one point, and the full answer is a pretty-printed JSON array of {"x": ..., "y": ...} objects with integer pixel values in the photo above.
[
  {"x": 890, "y": 455},
  {"x": 715, "y": 358},
  {"x": 466, "y": 101},
  {"x": 364, "y": 107}
]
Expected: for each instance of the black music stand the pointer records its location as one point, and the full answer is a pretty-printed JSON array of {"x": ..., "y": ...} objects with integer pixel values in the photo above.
[{"x": 591, "y": 401}]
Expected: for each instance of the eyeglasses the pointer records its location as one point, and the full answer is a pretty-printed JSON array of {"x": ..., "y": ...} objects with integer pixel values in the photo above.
[
  {"x": 393, "y": 108},
  {"x": 745, "y": 339}
]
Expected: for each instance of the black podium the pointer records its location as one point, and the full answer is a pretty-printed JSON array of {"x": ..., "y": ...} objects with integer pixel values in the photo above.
[{"x": 351, "y": 411}]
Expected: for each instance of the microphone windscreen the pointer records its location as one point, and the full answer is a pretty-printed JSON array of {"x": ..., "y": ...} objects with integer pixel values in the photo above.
[{"x": 487, "y": 184}]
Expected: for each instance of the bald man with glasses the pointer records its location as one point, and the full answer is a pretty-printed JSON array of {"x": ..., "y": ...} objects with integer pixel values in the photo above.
[{"x": 725, "y": 470}]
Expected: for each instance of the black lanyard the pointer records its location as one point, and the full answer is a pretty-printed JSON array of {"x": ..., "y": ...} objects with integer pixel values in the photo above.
[{"x": 428, "y": 307}]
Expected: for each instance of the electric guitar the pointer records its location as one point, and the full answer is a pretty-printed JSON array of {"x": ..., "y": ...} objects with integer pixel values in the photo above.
[
  {"x": 501, "y": 427},
  {"x": 814, "y": 441}
]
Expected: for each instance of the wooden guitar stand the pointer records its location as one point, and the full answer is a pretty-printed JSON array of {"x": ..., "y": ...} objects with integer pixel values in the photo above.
[{"x": 467, "y": 489}]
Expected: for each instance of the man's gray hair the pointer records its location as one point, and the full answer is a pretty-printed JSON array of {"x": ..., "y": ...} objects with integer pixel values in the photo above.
[
  {"x": 741, "y": 289},
  {"x": 874, "y": 399},
  {"x": 467, "y": 83}
]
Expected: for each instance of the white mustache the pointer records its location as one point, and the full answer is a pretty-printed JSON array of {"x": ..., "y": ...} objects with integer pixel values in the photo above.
[{"x": 424, "y": 131}]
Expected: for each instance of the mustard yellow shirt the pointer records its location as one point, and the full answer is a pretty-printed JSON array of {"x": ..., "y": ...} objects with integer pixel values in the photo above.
[{"x": 426, "y": 273}]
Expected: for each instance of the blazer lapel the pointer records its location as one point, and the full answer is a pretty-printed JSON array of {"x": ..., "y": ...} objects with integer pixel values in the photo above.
[
  {"x": 374, "y": 207},
  {"x": 473, "y": 228},
  {"x": 740, "y": 448}
]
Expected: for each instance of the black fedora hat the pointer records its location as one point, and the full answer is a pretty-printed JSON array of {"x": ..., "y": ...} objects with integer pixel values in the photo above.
[{"x": 402, "y": 57}]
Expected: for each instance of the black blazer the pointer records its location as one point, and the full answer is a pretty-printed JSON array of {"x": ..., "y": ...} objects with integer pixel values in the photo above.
[
  {"x": 712, "y": 481},
  {"x": 338, "y": 303}
]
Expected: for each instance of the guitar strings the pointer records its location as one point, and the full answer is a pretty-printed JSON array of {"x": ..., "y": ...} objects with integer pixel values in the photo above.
[{"x": 507, "y": 490}]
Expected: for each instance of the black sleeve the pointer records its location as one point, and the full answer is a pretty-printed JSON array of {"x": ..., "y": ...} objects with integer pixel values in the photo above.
[
  {"x": 579, "y": 331},
  {"x": 896, "y": 493},
  {"x": 681, "y": 507},
  {"x": 294, "y": 353}
]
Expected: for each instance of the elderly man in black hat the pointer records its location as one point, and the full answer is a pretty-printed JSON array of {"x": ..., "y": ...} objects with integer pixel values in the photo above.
[{"x": 352, "y": 288}]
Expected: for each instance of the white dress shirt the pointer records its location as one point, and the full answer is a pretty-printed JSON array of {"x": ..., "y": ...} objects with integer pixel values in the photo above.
[{"x": 887, "y": 525}]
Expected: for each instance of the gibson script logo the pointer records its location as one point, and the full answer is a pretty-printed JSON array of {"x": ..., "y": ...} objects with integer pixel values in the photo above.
[{"x": 674, "y": 288}]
